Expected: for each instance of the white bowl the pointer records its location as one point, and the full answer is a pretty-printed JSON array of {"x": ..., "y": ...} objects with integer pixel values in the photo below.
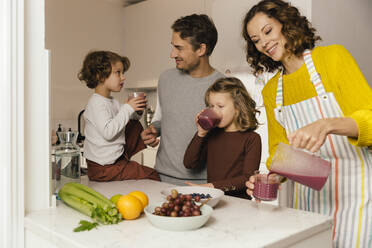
[
  {"x": 178, "y": 223},
  {"x": 215, "y": 194}
]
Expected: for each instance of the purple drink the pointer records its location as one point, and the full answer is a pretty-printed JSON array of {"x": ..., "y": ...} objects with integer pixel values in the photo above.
[
  {"x": 265, "y": 188},
  {"x": 208, "y": 119},
  {"x": 137, "y": 94}
]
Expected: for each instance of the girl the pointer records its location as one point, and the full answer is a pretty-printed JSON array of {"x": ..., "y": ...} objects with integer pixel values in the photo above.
[
  {"x": 318, "y": 101},
  {"x": 232, "y": 151},
  {"x": 112, "y": 130}
]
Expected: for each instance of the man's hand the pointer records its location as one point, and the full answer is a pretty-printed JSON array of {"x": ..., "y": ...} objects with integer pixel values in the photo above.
[{"x": 149, "y": 136}]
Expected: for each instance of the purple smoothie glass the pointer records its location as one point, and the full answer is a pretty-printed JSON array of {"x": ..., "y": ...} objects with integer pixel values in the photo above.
[
  {"x": 208, "y": 119},
  {"x": 137, "y": 94},
  {"x": 265, "y": 187}
]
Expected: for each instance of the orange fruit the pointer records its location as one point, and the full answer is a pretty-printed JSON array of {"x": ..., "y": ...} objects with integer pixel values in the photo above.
[
  {"x": 141, "y": 196},
  {"x": 129, "y": 207}
]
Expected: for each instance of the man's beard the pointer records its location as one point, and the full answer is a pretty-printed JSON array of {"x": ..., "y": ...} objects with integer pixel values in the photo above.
[{"x": 191, "y": 68}]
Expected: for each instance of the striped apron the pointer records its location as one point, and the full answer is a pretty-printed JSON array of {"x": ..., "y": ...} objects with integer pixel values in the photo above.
[{"x": 347, "y": 193}]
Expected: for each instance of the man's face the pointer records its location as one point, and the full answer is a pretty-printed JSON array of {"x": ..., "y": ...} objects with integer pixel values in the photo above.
[{"x": 182, "y": 51}]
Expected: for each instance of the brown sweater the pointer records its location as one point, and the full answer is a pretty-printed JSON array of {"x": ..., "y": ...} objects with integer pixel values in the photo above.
[{"x": 231, "y": 158}]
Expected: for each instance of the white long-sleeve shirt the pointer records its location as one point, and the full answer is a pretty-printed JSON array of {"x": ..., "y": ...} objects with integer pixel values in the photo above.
[{"x": 105, "y": 121}]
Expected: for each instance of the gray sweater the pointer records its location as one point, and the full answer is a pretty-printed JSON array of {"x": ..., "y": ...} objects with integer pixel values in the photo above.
[{"x": 181, "y": 97}]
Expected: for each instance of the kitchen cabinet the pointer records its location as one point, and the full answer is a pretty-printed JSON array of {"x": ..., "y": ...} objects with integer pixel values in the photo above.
[
  {"x": 146, "y": 157},
  {"x": 142, "y": 85},
  {"x": 149, "y": 156},
  {"x": 234, "y": 222}
]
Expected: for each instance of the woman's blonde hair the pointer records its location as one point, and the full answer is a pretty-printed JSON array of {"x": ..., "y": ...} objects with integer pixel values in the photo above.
[{"x": 243, "y": 102}]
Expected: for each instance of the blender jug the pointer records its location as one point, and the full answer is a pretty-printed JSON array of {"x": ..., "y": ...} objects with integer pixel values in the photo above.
[
  {"x": 300, "y": 166},
  {"x": 67, "y": 159}
]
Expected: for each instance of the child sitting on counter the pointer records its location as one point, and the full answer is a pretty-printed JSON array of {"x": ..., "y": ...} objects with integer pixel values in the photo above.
[
  {"x": 112, "y": 130},
  {"x": 232, "y": 150}
]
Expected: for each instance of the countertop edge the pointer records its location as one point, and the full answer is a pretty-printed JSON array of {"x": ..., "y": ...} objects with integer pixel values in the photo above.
[
  {"x": 293, "y": 239},
  {"x": 60, "y": 240}
]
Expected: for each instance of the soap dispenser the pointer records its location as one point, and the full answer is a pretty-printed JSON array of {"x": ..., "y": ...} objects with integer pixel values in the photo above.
[{"x": 59, "y": 130}]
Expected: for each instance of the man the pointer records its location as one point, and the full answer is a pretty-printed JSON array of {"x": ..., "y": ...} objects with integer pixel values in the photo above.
[{"x": 181, "y": 97}]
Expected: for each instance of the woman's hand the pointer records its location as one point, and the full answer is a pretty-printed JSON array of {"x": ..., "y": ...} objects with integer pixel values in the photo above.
[
  {"x": 250, "y": 184},
  {"x": 311, "y": 137},
  {"x": 209, "y": 185}
]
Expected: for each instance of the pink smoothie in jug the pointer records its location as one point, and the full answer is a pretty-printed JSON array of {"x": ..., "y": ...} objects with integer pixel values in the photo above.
[
  {"x": 300, "y": 166},
  {"x": 314, "y": 182},
  {"x": 208, "y": 119}
]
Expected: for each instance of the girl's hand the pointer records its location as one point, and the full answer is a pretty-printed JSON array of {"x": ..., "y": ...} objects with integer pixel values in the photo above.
[
  {"x": 138, "y": 103},
  {"x": 310, "y": 137},
  {"x": 201, "y": 132},
  {"x": 209, "y": 185}
]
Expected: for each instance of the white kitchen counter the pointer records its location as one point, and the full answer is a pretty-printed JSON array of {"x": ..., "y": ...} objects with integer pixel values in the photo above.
[{"x": 234, "y": 223}]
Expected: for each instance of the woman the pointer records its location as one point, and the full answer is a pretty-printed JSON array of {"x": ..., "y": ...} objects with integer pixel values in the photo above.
[{"x": 319, "y": 101}]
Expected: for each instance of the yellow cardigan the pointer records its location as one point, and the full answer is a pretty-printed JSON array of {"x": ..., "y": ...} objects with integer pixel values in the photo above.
[{"x": 341, "y": 75}]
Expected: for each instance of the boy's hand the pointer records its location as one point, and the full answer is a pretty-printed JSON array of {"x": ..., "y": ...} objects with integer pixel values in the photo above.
[
  {"x": 149, "y": 136},
  {"x": 138, "y": 103},
  {"x": 201, "y": 132}
]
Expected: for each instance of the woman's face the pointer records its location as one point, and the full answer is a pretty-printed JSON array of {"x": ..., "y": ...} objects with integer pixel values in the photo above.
[{"x": 266, "y": 34}]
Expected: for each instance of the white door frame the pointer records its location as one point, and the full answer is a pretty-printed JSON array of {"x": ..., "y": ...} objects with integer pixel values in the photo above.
[
  {"x": 12, "y": 123},
  {"x": 25, "y": 117}
]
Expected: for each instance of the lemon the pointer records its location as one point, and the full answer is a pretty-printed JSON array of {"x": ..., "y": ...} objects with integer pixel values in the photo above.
[
  {"x": 114, "y": 199},
  {"x": 141, "y": 196},
  {"x": 129, "y": 207}
]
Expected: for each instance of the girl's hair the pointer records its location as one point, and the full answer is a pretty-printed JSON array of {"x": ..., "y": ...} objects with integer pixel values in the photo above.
[
  {"x": 296, "y": 29},
  {"x": 97, "y": 67},
  {"x": 243, "y": 102}
]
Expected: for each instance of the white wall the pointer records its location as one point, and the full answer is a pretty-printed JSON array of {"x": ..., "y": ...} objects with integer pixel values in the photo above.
[
  {"x": 147, "y": 35},
  {"x": 347, "y": 23},
  {"x": 73, "y": 28},
  {"x": 228, "y": 17}
]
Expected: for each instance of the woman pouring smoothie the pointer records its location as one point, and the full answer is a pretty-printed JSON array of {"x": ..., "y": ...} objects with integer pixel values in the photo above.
[{"x": 319, "y": 101}]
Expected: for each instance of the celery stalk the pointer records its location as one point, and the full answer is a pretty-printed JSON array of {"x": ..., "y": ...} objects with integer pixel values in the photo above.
[
  {"x": 92, "y": 192},
  {"x": 85, "y": 195},
  {"x": 75, "y": 203}
]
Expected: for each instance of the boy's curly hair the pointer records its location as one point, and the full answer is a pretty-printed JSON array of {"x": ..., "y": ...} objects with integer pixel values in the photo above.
[
  {"x": 243, "y": 102},
  {"x": 97, "y": 67},
  {"x": 296, "y": 29}
]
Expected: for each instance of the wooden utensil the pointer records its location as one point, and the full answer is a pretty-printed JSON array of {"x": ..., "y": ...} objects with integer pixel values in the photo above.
[{"x": 201, "y": 205}]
